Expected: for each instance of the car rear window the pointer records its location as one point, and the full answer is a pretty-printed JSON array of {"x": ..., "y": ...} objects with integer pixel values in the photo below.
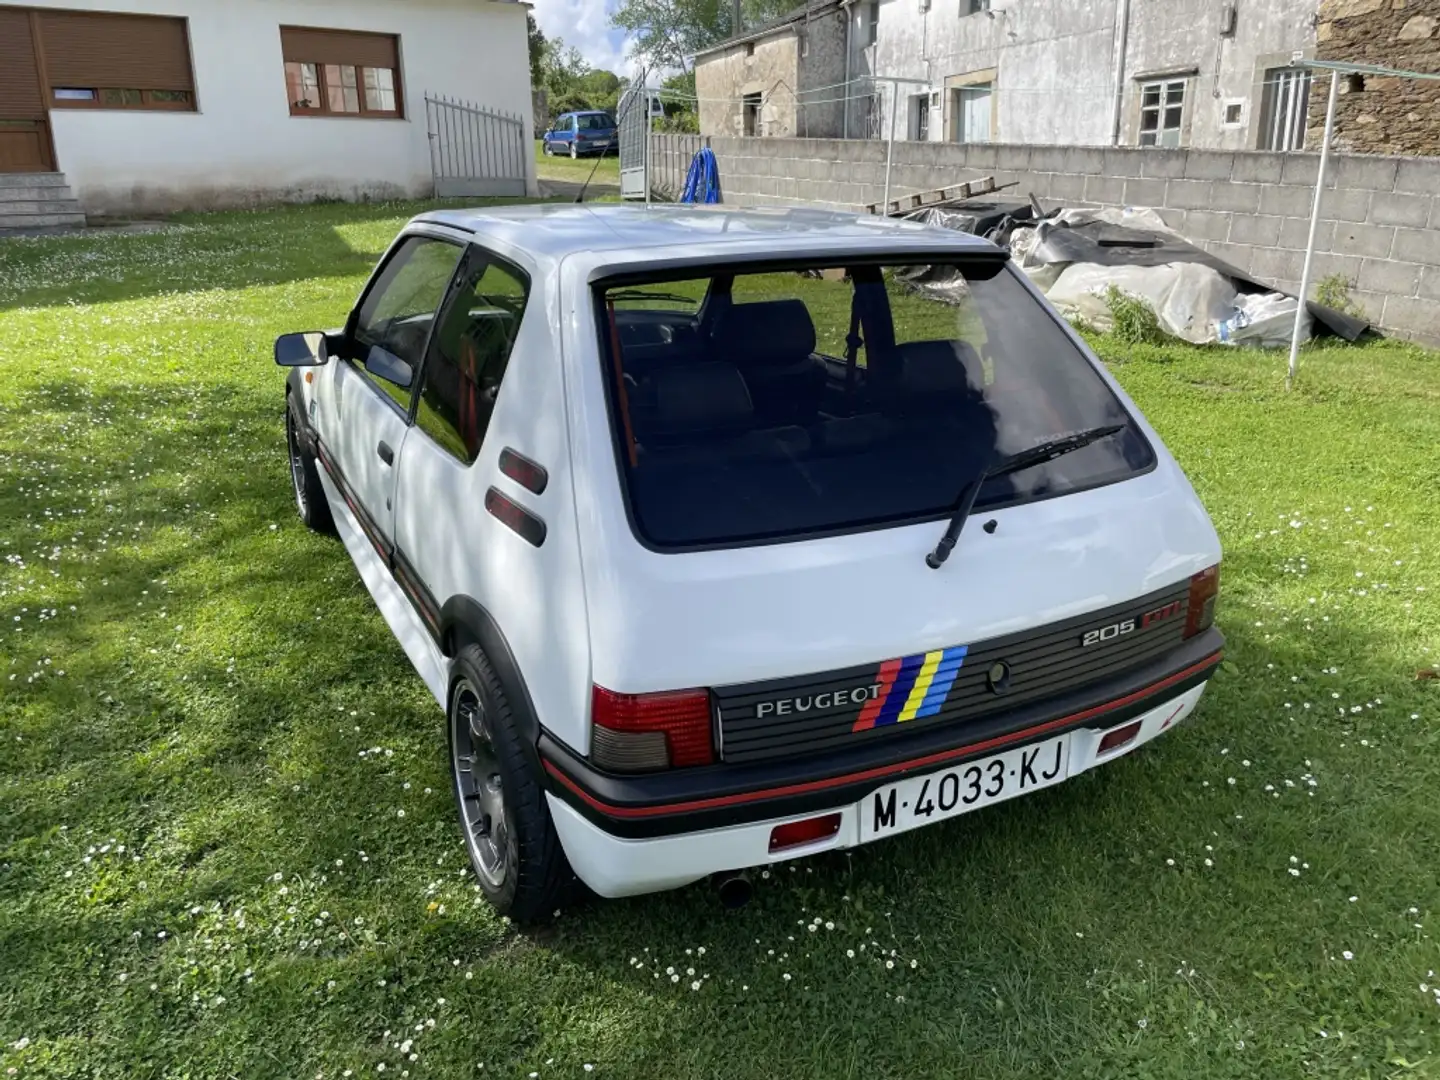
[
  {"x": 784, "y": 403},
  {"x": 595, "y": 122}
]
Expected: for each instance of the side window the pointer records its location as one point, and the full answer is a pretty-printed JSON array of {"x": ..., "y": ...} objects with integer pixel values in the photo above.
[
  {"x": 469, "y": 354},
  {"x": 397, "y": 312}
]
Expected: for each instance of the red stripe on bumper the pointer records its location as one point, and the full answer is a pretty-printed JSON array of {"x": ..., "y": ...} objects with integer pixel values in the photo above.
[{"x": 879, "y": 771}]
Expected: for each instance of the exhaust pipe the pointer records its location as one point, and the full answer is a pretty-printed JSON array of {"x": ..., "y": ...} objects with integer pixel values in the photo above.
[{"x": 733, "y": 888}]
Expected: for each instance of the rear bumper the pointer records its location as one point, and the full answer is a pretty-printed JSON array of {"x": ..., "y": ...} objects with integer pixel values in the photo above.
[
  {"x": 694, "y": 800},
  {"x": 616, "y": 866}
]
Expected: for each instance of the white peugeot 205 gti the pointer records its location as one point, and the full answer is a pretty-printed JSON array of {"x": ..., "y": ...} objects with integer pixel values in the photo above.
[{"x": 725, "y": 537}]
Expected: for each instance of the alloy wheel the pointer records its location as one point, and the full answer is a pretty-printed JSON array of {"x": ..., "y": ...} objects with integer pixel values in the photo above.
[
  {"x": 478, "y": 785},
  {"x": 297, "y": 463}
]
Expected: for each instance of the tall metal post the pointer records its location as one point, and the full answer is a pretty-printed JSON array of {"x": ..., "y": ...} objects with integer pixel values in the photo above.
[
  {"x": 890, "y": 146},
  {"x": 1314, "y": 226}
]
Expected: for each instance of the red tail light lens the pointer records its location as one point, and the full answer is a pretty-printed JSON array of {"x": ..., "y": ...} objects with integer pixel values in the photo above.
[
  {"x": 638, "y": 732},
  {"x": 799, "y": 833},
  {"x": 1204, "y": 589}
]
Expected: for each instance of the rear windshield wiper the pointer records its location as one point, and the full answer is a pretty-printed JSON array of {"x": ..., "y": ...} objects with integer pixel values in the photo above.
[{"x": 1038, "y": 454}]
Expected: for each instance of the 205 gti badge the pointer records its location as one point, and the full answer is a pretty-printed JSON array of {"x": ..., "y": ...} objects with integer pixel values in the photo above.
[{"x": 1114, "y": 630}]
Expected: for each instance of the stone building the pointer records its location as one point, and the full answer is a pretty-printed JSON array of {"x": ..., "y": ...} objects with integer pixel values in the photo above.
[
  {"x": 784, "y": 78},
  {"x": 1209, "y": 74},
  {"x": 1380, "y": 114}
]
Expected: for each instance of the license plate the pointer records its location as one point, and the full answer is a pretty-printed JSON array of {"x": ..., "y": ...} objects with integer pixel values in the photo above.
[{"x": 922, "y": 800}]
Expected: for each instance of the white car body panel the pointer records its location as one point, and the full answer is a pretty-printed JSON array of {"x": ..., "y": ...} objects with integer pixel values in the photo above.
[
  {"x": 614, "y": 866},
  {"x": 593, "y": 605}
]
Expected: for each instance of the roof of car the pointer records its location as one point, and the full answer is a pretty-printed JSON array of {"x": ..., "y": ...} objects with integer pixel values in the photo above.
[{"x": 554, "y": 231}]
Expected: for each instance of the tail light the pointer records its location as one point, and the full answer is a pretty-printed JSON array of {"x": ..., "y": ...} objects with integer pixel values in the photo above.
[
  {"x": 1204, "y": 589},
  {"x": 799, "y": 833},
  {"x": 644, "y": 732}
]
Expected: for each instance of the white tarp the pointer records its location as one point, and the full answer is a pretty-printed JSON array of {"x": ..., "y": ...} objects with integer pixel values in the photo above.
[{"x": 1190, "y": 300}]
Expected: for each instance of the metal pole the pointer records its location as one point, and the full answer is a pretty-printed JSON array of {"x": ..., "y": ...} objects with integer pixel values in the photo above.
[
  {"x": 645, "y": 102},
  {"x": 1314, "y": 225},
  {"x": 890, "y": 147}
]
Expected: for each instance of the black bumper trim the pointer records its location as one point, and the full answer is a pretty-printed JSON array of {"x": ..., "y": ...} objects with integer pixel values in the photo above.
[{"x": 690, "y": 800}]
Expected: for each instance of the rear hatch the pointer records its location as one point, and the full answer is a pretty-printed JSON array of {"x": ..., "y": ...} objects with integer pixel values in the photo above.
[{"x": 791, "y": 442}]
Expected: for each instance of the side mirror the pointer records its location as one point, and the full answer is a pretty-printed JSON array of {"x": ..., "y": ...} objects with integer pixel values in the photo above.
[
  {"x": 301, "y": 350},
  {"x": 386, "y": 365}
]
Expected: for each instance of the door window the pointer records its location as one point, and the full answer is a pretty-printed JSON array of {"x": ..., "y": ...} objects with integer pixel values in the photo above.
[
  {"x": 469, "y": 354},
  {"x": 398, "y": 311}
]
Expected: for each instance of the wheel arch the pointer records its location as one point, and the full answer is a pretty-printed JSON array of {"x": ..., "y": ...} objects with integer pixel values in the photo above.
[{"x": 464, "y": 621}]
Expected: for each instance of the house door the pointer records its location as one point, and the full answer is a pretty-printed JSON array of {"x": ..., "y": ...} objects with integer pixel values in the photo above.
[{"x": 24, "y": 131}]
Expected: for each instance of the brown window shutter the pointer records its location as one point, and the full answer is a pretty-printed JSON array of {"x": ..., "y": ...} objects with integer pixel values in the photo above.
[
  {"x": 19, "y": 83},
  {"x": 94, "y": 49},
  {"x": 309, "y": 45}
]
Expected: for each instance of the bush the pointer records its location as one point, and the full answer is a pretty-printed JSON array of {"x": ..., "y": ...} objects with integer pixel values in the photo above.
[
  {"x": 1334, "y": 292},
  {"x": 1134, "y": 320}
]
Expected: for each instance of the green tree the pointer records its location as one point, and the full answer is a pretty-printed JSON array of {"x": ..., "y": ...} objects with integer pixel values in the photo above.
[
  {"x": 536, "y": 40},
  {"x": 667, "y": 33}
]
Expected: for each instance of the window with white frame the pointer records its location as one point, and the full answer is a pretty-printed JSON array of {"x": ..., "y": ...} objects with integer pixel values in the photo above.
[
  {"x": 974, "y": 7},
  {"x": 1162, "y": 109},
  {"x": 872, "y": 22},
  {"x": 1284, "y": 103}
]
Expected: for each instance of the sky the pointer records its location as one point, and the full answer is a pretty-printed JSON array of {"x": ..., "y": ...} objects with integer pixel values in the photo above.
[{"x": 586, "y": 25}]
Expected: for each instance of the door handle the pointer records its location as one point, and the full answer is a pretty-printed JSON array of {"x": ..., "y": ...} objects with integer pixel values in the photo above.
[{"x": 386, "y": 454}]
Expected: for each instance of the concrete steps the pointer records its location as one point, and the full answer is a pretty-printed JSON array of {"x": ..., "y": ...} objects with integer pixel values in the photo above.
[{"x": 37, "y": 201}]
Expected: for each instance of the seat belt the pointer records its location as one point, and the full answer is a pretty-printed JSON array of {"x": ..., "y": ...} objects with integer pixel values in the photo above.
[{"x": 853, "y": 343}]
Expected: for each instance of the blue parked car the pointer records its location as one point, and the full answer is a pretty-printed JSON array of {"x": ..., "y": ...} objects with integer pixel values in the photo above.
[{"x": 579, "y": 133}]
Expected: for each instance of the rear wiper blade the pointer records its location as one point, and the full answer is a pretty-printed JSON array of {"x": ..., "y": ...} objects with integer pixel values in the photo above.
[{"x": 1038, "y": 454}]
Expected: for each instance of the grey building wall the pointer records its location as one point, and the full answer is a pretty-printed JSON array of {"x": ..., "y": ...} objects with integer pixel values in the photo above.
[
  {"x": 822, "y": 76},
  {"x": 795, "y": 68},
  {"x": 769, "y": 67},
  {"x": 1380, "y": 217},
  {"x": 1185, "y": 35},
  {"x": 1054, "y": 63}
]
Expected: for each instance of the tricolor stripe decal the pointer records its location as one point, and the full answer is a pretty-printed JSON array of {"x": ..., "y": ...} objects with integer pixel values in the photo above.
[{"x": 911, "y": 687}]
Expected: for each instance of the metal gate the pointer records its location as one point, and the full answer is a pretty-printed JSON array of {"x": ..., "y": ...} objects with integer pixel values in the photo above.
[
  {"x": 633, "y": 120},
  {"x": 474, "y": 151}
]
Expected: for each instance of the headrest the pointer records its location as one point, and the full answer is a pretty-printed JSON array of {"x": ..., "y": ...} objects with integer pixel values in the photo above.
[
  {"x": 696, "y": 399},
  {"x": 934, "y": 368},
  {"x": 771, "y": 331}
]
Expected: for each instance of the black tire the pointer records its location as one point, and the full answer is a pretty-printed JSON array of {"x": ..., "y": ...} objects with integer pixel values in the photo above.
[
  {"x": 574, "y": 152},
  {"x": 508, "y": 832},
  {"x": 305, "y": 483}
]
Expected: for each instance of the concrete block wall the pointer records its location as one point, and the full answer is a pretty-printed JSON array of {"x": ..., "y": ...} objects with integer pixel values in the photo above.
[{"x": 1380, "y": 216}]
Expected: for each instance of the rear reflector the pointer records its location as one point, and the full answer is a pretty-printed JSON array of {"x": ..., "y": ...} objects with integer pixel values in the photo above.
[
  {"x": 635, "y": 732},
  {"x": 523, "y": 471},
  {"x": 515, "y": 516},
  {"x": 799, "y": 833},
  {"x": 1204, "y": 589},
  {"x": 1119, "y": 737}
]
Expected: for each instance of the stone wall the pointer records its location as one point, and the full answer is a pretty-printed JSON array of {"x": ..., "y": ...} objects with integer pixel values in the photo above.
[
  {"x": 1380, "y": 216},
  {"x": 1376, "y": 114}
]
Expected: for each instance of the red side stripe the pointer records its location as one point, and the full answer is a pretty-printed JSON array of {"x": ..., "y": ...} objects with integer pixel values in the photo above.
[
  {"x": 878, "y": 771},
  {"x": 888, "y": 670}
]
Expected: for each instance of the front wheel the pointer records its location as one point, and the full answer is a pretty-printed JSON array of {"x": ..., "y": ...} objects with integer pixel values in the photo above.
[
  {"x": 305, "y": 483},
  {"x": 545, "y": 149},
  {"x": 574, "y": 152},
  {"x": 509, "y": 835}
]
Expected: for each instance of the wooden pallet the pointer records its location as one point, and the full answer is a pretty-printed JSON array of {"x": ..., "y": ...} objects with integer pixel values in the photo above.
[{"x": 953, "y": 193}]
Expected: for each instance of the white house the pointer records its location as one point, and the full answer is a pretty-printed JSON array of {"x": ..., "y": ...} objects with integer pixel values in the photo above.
[{"x": 155, "y": 105}]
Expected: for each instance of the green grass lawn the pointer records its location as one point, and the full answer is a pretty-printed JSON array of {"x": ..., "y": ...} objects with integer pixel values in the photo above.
[
  {"x": 561, "y": 167},
  {"x": 227, "y": 847}
]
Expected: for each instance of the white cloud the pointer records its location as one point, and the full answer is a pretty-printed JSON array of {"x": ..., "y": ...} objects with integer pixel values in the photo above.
[{"x": 586, "y": 25}]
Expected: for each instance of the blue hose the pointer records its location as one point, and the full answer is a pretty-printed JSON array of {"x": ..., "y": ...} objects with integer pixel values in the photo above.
[{"x": 702, "y": 182}]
